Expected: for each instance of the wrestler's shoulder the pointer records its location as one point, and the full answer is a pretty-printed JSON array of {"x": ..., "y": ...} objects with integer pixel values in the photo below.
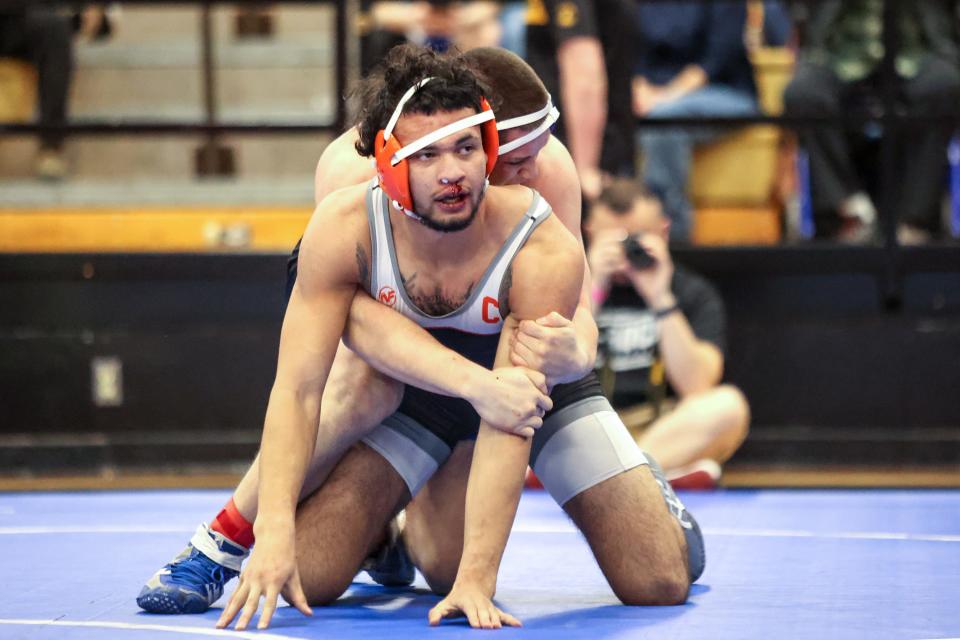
[
  {"x": 553, "y": 238},
  {"x": 345, "y": 207},
  {"x": 549, "y": 268},
  {"x": 340, "y": 165},
  {"x": 510, "y": 196},
  {"x": 555, "y": 161},
  {"x": 557, "y": 181}
]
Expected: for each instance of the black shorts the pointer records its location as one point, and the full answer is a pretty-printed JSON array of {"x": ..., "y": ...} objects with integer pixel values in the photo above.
[
  {"x": 454, "y": 419},
  {"x": 292, "y": 263}
]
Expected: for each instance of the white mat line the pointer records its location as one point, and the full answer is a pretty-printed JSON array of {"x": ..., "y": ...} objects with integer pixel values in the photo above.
[
  {"x": 529, "y": 527},
  {"x": 772, "y": 533},
  {"x": 198, "y": 631},
  {"x": 68, "y": 528},
  {"x": 838, "y": 535}
]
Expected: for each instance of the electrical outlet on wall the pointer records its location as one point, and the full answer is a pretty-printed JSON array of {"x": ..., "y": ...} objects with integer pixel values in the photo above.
[{"x": 106, "y": 376}]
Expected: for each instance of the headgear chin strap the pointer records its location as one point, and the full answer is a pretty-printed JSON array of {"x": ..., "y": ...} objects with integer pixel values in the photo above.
[
  {"x": 549, "y": 113},
  {"x": 391, "y": 158}
]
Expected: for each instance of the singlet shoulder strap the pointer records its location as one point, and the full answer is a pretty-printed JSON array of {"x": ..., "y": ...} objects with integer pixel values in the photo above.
[
  {"x": 379, "y": 234},
  {"x": 538, "y": 211}
]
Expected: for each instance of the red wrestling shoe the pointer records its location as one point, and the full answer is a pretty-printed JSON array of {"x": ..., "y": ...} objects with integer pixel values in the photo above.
[{"x": 702, "y": 475}]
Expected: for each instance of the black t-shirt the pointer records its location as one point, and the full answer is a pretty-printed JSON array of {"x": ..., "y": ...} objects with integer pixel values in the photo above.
[
  {"x": 628, "y": 352},
  {"x": 552, "y": 22}
]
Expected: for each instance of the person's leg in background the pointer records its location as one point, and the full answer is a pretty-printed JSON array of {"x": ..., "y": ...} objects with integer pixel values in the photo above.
[
  {"x": 838, "y": 196},
  {"x": 694, "y": 437},
  {"x": 513, "y": 24},
  {"x": 668, "y": 152},
  {"x": 48, "y": 41},
  {"x": 934, "y": 91}
]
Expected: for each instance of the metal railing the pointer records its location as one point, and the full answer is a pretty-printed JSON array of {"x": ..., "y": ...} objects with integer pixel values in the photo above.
[
  {"x": 888, "y": 115},
  {"x": 211, "y": 125}
]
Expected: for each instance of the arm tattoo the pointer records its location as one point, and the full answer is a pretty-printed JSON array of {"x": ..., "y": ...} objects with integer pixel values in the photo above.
[
  {"x": 504, "y": 296},
  {"x": 363, "y": 268}
]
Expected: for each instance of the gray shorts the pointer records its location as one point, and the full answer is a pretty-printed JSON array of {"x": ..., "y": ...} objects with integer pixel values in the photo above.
[{"x": 578, "y": 447}]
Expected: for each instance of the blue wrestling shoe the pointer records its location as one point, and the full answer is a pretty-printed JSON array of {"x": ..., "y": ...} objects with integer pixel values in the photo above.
[
  {"x": 696, "y": 553},
  {"x": 391, "y": 566},
  {"x": 194, "y": 580}
]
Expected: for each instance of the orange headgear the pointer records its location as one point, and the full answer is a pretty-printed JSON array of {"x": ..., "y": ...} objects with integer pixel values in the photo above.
[{"x": 391, "y": 158}]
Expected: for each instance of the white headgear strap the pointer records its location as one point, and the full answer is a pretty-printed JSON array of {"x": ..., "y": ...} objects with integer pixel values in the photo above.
[
  {"x": 433, "y": 137},
  {"x": 550, "y": 114}
]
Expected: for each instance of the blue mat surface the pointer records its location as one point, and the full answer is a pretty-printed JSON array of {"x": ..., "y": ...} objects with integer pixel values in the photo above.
[{"x": 780, "y": 564}]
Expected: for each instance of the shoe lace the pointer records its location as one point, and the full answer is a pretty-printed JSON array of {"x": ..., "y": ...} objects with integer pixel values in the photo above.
[{"x": 197, "y": 569}]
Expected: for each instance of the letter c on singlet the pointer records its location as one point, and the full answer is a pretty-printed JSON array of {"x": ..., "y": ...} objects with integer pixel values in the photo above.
[{"x": 489, "y": 316}]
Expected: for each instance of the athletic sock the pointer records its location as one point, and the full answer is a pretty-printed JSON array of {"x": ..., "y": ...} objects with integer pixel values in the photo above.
[{"x": 230, "y": 523}]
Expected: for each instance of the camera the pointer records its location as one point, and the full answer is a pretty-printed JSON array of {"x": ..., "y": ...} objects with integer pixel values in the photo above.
[{"x": 636, "y": 255}]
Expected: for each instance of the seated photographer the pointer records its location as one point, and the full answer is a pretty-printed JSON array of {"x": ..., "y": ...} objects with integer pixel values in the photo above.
[{"x": 661, "y": 340}]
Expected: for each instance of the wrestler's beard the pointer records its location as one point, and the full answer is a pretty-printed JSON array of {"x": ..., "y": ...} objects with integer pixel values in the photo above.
[{"x": 454, "y": 225}]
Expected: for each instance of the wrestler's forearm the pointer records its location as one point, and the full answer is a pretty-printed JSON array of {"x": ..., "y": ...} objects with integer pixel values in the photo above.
[
  {"x": 493, "y": 493},
  {"x": 289, "y": 437},
  {"x": 585, "y": 325},
  {"x": 312, "y": 326},
  {"x": 398, "y": 347}
]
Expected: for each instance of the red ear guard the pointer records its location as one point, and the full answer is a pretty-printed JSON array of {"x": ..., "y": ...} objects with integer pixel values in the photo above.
[
  {"x": 395, "y": 178},
  {"x": 490, "y": 137}
]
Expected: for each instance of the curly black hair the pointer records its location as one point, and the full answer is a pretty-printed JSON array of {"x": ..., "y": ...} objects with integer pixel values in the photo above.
[{"x": 454, "y": 86}]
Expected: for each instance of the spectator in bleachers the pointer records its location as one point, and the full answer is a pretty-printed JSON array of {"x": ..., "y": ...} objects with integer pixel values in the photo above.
[
  {"x": 387, "y": 23},
  {"x": 692, "y": 61},
  {"x": 437, "y": 24},
  {"x": 44, "y": 36},
  {"x": 662, "y": 340},
  {"x": 579, "y": 48},
  {"x": 513, "y": 26},
  {"x": 768, "y": 25},
  {"x": 777, "y": 26},
  {"x": 840, "y": 70}
]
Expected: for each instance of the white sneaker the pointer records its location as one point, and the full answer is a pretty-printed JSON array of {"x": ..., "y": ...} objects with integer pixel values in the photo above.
[
  {"x": 859, "y": 206},
  {"x": 910, "y": 236},
  {"x": 50, "y": 165}
]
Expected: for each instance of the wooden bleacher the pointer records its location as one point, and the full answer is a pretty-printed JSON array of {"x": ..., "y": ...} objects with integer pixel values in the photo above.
[
  {"x": 18, "y": 90},
  {"x": 733, "y": 179},
  {"x": 182, "y": 229}
]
